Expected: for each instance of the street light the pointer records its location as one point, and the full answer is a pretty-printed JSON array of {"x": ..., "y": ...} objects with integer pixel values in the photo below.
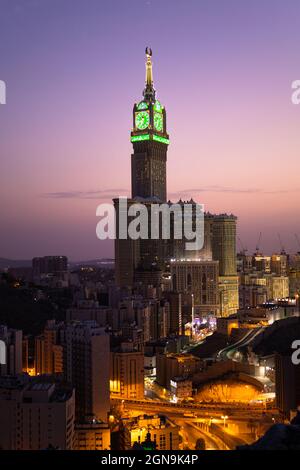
[{"x": 224, "y": 417}]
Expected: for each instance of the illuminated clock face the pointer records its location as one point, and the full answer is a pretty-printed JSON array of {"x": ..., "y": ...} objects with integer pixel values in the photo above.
[
  {"x": 142, "y": 120},
  {"x": 142, "y": 105},
  {"x": 157, "y": 106},
  {"x": 158, "y": 122}
]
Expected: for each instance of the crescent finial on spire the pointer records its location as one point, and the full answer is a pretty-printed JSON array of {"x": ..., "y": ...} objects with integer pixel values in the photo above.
[{"x": 149, "y": 91}]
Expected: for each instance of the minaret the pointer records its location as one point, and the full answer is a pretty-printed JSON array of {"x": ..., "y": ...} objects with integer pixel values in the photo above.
[{"x": 150, "y": 143}]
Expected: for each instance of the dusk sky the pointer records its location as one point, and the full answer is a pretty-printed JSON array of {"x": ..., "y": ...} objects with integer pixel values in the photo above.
[{"x": 73, "y": 70}]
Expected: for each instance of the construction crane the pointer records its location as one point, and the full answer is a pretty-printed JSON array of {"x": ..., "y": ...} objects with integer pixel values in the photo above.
[
  {"x": 298, "y": 241},
  {"x": 283, "y": 252},
  {"x": 244, "y": 249},
  {"x": 258, "y": 244}
]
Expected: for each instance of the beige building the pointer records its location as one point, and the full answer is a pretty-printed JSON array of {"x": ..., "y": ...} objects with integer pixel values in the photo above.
[
  {"x": 48, "y": 350},
  {"x": 252, "y": 295},
  {"x": 262, "y": 263},
  {"x": 224, "y": 251},
  {"x": 279, "y": 287},
  {"x": 173, "y": 365},
  {"x": 162, "y": 431},
  {"x": 229, "y": 295},
  {"x": 272, "y": 287},
  {"x": 127, "y": 372},
  {"x": 92, "y": 436},
  {"x": 279, "y": 264},
  {"x": 224, "y": 243},
  {"x": 294, "y": 283},
  {"x": 35, "y": 415},
  {"x": 181, "y": 388},
  {"x": 199, "y": 278}
]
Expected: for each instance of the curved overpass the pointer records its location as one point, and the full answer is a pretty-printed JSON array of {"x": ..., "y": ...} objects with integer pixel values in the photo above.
[{"x": 227, "y": 353}]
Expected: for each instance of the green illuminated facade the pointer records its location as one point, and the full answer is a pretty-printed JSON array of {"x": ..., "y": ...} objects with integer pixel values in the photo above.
[
  {"x": 150, "y": 142},
  {"x": 158, "y": 138}
]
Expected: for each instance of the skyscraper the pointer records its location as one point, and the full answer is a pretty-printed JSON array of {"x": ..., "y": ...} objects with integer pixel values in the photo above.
[
  {"x": 224, "y": 251},
  {"x": 143, "y": 261},
  {"x": 86, "y": 367},
  {"x": 150, "y": 142},
  {"x": 199, "y": 278},
  {"x": 224, "y": 243}
]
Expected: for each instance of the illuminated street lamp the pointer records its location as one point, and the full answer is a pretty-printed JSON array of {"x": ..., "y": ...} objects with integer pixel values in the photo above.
[
  {"x": 297, "y": 301},
  {"x": 224, "y": 417}
]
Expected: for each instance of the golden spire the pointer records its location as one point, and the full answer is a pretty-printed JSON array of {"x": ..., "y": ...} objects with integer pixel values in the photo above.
[
  {"x": 149, "y": 92},
  {"x": 149, "y": 73}
]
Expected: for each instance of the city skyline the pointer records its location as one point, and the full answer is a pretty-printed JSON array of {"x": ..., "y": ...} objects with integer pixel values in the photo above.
[{"x": 78, "y": 82}]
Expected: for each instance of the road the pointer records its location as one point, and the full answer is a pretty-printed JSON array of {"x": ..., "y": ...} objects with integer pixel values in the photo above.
[
  {"x": 203, "y": 409},
  {"x": 228, "y": 352},
  {"x": 191, "y": 434},
  {"x": 213, "y": 436}
]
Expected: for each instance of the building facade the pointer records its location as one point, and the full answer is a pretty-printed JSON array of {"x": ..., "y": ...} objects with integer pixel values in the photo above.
[
  {"x": 12, "y": 351},
  {"x": 127, "y": 372},
  {"x": 35, "y": 415},
  {"x": 86, "y": 367}
]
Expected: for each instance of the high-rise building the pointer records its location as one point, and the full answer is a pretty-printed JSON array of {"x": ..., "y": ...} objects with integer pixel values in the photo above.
[
  {"x": 11, "y": 340},
  {"x": 175, "y": 311},
  {"x": 144, "y": 261},
  {"x": 229, "y": 295},
  {"x": 224, "y": 251},
  {"x": 261, "y": 263},
  {"x": 150, "y": 142},
  {"x": 127, "y": 251},
  {"x": 127, "y": 372},
  {"x": 86, "y": 367},
  {"x": 35, "y": 415},
  {"x": 278, "y": 287},
  {"x": 199, "y": 278},
  {"x": 279, "y": 264},
  {"x": 294, "y": 283},
  {"x": 48, "y": 350},
  {"x": 224, "y": 243}
]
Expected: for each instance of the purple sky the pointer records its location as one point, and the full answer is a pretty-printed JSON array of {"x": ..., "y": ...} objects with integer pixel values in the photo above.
[{"x": 73, "y": 70}]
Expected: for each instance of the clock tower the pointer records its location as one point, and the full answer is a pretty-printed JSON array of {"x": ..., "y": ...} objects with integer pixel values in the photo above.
[{"x": 150, "y": 143}]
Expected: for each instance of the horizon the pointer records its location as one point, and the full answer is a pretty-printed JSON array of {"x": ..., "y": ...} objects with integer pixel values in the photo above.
[{"x": 73, "y": 73}]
